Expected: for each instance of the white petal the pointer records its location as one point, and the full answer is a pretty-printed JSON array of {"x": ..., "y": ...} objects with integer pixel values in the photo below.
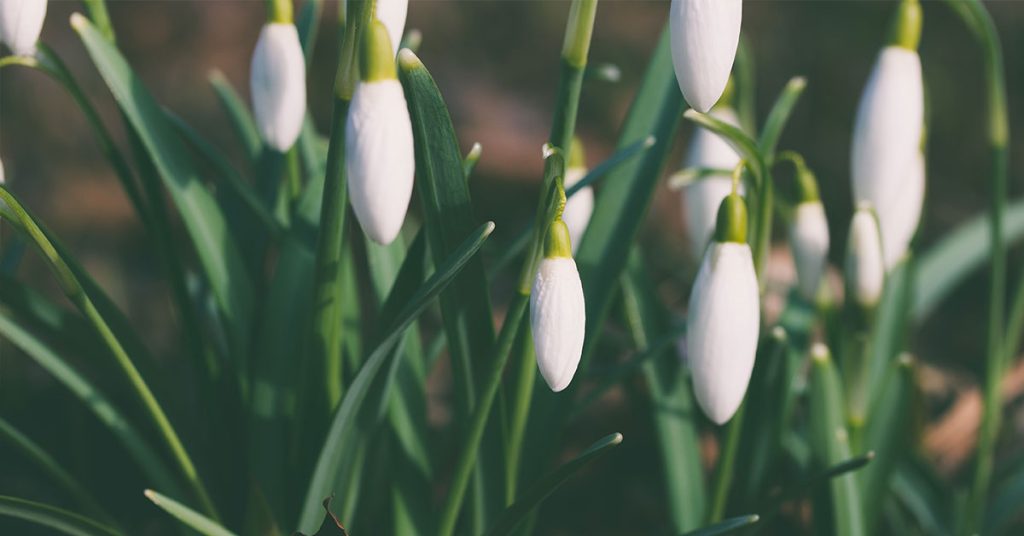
[
  {"x": 379, "y": 158},
  {"x": 865, "y": 269},
  {"x": 278, "y": 83},
  {"x": 558, "y": 319},
  {"x": 705, "y": 34},
  {"x": 723, "y": 323},
  {"x": 900, "y": 212},
  {"x": 3, "y": 177},
  {"x": 702, "y": 197},
  {"x": 887, "y": 140},
  {"x": 20, "y": 24},
  {"x": 392, "y": 13},
  {"x": 579, "y": 207},
  {"x": 809, "y": 239}
]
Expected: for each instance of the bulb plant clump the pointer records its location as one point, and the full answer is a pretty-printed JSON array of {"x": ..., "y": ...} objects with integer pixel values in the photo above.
[{"x": 380, "y": 377}]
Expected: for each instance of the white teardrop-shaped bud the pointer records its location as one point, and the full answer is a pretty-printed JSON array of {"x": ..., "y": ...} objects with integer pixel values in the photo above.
[
  {"x": 579, "y": 207},
  {"x": 380, "y": 158},
  {"x": 723, "y": 323},
  {"x": 865, "y": 269},
  {"x": 702, "y": 197},
  {"x": 393, "y": 13},
  {"x": 278, "y": 83},
  {"x": 887, "y": 146},
  {"x": 558, "y": 319},
  {"x": 20, "y": 24},
  {"x": 809, "y": 240},
  {"x": 705, "y": 34}
]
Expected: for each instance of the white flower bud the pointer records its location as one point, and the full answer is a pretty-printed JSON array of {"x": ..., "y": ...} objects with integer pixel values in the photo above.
[
  {"x": 278, "y": 83},
  {"x": 702, "y": 197},
  {"x": 20, "y": 24},
  {"x": 705, "y": 34},
  {"x": 865, "y": 269},
  {"x": 723, "y": 324},
  {"x": 393, "y": 13},
  {"x": 558, "y": 319},
  {"x": 886, "y": 149},
  {"x": 379, "y": 158},
  {"x": 809, "y": 240},
  {"x": 579, "y": 207}
]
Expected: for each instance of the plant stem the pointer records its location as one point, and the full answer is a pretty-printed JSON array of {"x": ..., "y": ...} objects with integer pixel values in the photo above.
[
  {"x": 97, "y": 10},
  {"x": 978, "y": 20},
  {"x": 723, "y": 473}
]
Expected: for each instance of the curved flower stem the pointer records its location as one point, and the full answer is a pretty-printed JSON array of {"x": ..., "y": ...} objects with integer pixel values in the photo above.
[
  {"x": 978, "y": 20},
  {"x": 77, "y": 295}
]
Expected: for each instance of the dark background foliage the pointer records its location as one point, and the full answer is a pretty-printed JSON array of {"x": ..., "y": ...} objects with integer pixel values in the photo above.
[{"x": 496, "y": 63}]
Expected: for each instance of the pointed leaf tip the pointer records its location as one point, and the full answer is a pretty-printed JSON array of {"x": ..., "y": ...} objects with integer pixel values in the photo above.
[
  {"x": 78, "y": 21},
  {"x": 407, "y": 60}
]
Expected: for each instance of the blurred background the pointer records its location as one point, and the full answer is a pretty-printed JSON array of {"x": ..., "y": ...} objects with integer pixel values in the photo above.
[{"x": 496, "y": 63}]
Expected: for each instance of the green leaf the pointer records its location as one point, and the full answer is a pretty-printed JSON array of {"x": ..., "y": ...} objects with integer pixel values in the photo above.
[
  {"x": 216, "y": 249},
  {"x": 535, "y": 494},
  {"x": 308, "y": 24},
  {"x": 830, "y": 441},
  {"x": 198, "y": 522},
  {"x": 238, "y": 115},
  {"x": 961, "y": 252},
  {"x": 725, "y": 527},
  {"x": 465, "y": 307},
  {"x": 888, "y": 435},
  {"x": 779, "y": 115},
  {"x": 672, "y": 405},
  {"x": 53, "y": 517},
  {"x": 338, "y": 440}
]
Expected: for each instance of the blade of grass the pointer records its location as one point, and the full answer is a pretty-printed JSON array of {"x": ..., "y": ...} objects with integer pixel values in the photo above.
[
  {"x": 831, "y": 441},
  {"x": 216, "y": 249},
  {"x": 191, "y": 518},
  {"x": 726, "y": 526},
  {"x": 76, "y": 293},
  {"x": 672, "y": 404},
  {"x": 53, "y": 517},
  {"x": 332, "y": 453},
  {"x": 35, "y": 453},
  {"x": 533, "y": 496},
  {"x": 308, "y": 25},
  {"x": 779, "y": 116},
  {"x": 238, "y": 115}
]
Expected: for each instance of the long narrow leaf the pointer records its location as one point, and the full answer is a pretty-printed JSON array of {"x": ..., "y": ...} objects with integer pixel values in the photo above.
[
  {"x": 331, "y": 455},
  {"x": 188, "y": 516},
  {"x": 779, "y": 115},
  {"x": 53, "y": 517},
  {"x": 535, "y": 494},
  {"x": 726, "y": 526},
  {"x": 241, "y": 120}
]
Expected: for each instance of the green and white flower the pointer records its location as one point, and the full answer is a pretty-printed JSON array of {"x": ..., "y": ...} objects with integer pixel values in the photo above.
[
  {"x": 865, "y": 265},
  {"x": 580, "y": 206},
  {"x": 702, "y": 197},
  {"x": 278, "y": 83},
  {"x": 705, "y": 34}
]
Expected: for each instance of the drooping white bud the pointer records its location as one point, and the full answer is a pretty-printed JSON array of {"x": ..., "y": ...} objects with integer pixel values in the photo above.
[
  {"x": 379, "y": 158},
  {"x": 702, "y": 197},
  {"x": 705, "y": 34},
  {"x": 20, "y": 24},
  {"x": 886, "y": 151},
  {"x": 558, "y": 319},
  {"x": 723, "y": 324},
  {"x": 278, "y": 84},
  {"x": 579, "y": 207},
  {"x": 865, "y": 269},
  {"x": 809, "y": 240},
  {"x": 393, "y": 13}
]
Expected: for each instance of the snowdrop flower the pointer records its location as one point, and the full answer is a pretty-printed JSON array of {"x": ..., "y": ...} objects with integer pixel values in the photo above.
[
  {"x": 378, "y": 142},
  {"x": 865, "y": 269},
  {"x": 580, "y": 206},
  {"x": 724, "y": 317},
  {"x": 278, "y": 80},
  {"x": 392, "y": 13},
  {"x": 558, "y": 316},
  {"x": 20, "y": 24},
  {"x": 886, "y": 151},
  {"x": 809, "y": 234},
  {"x": 702, "y": 197},
  {"x": 705, "y": 34}
]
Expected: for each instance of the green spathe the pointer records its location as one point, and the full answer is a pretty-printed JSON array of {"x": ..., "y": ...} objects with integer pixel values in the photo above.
[
  {"x": 732, "y": 220},
  {"x": 375, "y": 60},
  {"x": 558, "y": 243}
]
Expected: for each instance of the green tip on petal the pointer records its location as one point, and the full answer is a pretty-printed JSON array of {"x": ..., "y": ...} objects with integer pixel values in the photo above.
[
  {"x": 906, "y": 28},
  {"x": 375, "y": 60},
  {"x": 577, "y": 155},
  {"x": 807, "y": 183},
  {"x": 280, "y": 11},
  {"x": 558, "y": 243},
  {"x": 732, "y": 220}
]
